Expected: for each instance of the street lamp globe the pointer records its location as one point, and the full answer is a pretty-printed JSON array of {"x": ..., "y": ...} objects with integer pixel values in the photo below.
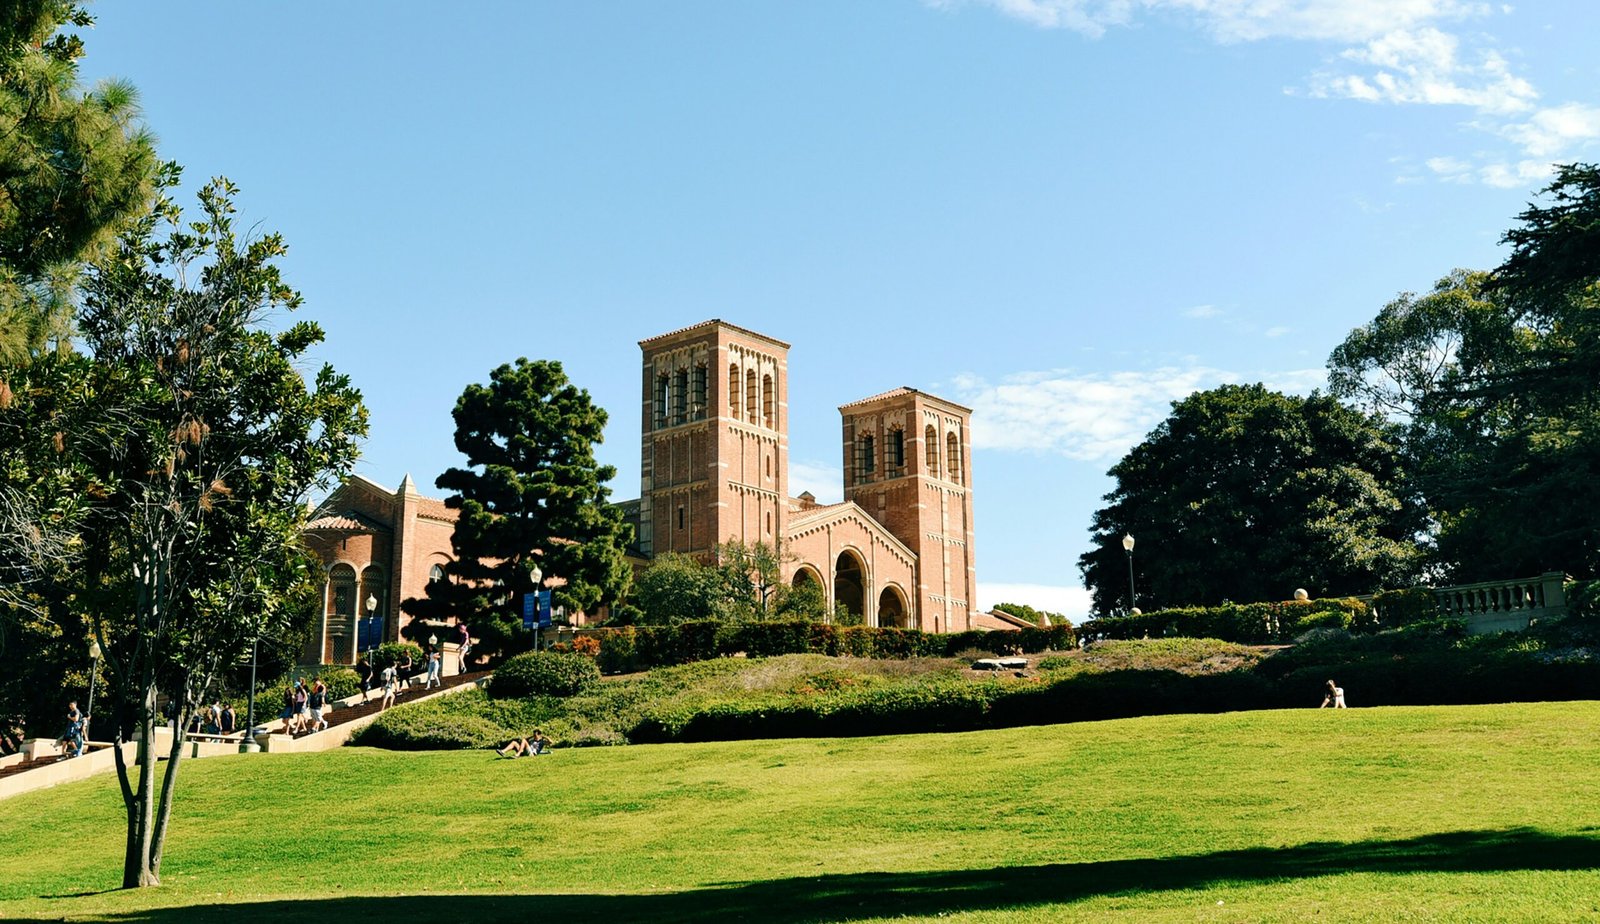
[
  {"x": 94, "y": 649},
  {"x": 1127, "y": 543},
  {"x": 372, "y": 603},
  {"x": 537, "y": 576}
]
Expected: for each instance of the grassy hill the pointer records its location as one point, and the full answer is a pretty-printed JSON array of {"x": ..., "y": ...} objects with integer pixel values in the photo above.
[{"x": 1488, "y": 813}]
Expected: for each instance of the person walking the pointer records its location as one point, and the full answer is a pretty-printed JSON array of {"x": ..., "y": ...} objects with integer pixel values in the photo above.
[
  {"x": 317, "y": 700},
  {"x": 434, "y": 668},
  {"x": 287, "y": 715},
  {"x": 390, "y": 684},
  {"x": 230, "y": 722},
  {"x": 71, "y": 740},
  {"x": 302, "y": 712},
  {"x": 364, "y": 671},
  {"x": 1334, "y": 697},
  {"x": 407, "y": 668},
  {"x": 464, "y": 637}
]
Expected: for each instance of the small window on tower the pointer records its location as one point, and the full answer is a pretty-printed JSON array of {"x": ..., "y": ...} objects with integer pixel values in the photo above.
[
  {"x": 769, "y": 466},
  {"x": 751, "y": 396},
  {"x": 867, "y": 458},
  {"x": 733, "y": 391},
  {"x": 930, "y": 451},
  {"x": 769, "y": 523},
  {"x": 680, "y": 518},
  {"x": 767, "y": 402},
  {"x": 895, "y": 451},
  {"x": 680, "y": 397},
  {"x": 698, "y": 398},
  {"x": 661, "y": 400}
]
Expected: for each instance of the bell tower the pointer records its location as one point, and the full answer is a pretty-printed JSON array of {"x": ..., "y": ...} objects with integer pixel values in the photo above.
[
  {"x": 908, "y": 464},
  {"x": 714, "y": 462}
]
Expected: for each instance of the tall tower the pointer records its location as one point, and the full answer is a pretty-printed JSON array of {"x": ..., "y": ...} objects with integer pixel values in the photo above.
[
  {"x": 714, "y": 460},
  {"x": 908, "y": 464}
]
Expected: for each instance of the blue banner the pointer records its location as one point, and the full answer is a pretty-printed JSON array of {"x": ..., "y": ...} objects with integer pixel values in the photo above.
[
  {"x": 544, "y": 609},
  {"x": 530, "y": 609}
]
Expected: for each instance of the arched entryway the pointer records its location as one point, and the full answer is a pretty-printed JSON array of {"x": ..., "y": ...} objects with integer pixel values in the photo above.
[
  {"x": 849, "y": 583},
  {"x": 806, "y": 575},
  {"x": 892, "y": 611}
]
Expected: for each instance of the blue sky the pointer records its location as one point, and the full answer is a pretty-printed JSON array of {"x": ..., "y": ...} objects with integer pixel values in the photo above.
[{"x": 1063, "y": 213}]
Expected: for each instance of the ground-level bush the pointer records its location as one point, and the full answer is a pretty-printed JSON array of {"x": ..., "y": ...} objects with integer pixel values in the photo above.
[
  {"x": 543, "y": 673},
  {"x": 635, "y": 648},
  {"x": 1248, "y": 623}
]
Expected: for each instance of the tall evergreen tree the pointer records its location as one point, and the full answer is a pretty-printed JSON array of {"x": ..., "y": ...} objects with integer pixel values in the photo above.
[
  {"x": 531, "y": 496},
  {"x": 74, "y": 167}
]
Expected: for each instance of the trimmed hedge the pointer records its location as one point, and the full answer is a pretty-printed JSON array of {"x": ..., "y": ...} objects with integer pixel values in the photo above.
[
  {"x": 628, "y": 649},
  {"x": 543, "y": 673},
  {"x": 1245, "y": 623},
  {"x": 1397, "y": 608}
]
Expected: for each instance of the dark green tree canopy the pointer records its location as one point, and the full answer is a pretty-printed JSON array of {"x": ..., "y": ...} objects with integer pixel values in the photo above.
[
  {"x": 1245, "y": 494},
  {"x": 532, "y": 495}
]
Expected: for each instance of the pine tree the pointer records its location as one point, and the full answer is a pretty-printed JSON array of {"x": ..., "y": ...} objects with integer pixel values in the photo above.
[
  {"x": 531, "y": 496},
  {"x": 74, "y": 168}
]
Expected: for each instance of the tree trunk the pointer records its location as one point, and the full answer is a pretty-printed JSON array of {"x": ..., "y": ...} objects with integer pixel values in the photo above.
[{"x": 136, "y": 869}]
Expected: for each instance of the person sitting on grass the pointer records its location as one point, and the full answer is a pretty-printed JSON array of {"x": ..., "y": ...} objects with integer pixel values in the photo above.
[
  {"x": 526, "y": 747},
  {"x": 1335, "y": 697}
]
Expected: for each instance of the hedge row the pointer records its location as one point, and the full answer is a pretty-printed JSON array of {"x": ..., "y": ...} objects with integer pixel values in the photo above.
[
  {"x": 637, "y": 648},
  {"x": 1244, "y": 623}
]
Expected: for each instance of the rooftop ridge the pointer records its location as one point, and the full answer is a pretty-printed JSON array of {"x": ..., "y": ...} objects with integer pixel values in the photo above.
[
  {"x": 717, "y": 322},
  {"x": 903, "y": 390}
]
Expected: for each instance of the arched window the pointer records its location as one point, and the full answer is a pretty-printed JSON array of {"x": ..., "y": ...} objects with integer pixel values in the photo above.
[
  {"x": 341, "y": 615},
  {"x": 750, "y": 396},
  {"x": 435, "y": 574},
  {"x": 866, "y": 457},
  {"x": 733, "y": 391},
  {"x": 680, "y": 397},
  {"x": 373, "y": 590},
  {"x": 767, "y": 401},
  {"x": 661, "y": 400},
  {"x": 698, "y": 397},
  {"x": 930, "y": 451},
  {"x": 894, "y": 453},
  {"x": 953, "y": 457}
]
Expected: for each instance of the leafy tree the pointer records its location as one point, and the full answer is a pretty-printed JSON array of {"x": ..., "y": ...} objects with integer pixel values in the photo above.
[
  {"x": 1507, "y": 466},
  {"x": 532, "y": 495},
  {"x": 179, "y": 451},
  {"x": 676, "y": 588},
  {"x": 1245, "y": 494},
  {"x": 74, "y": 168},
  {"x": 1037, "y": 617}
]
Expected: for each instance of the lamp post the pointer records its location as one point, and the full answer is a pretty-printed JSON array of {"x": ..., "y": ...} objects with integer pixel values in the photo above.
[
  {"x": 94, "y": 674},
  {"x": 372, "y": 606},
  {"x": 1127, "y": 546}
]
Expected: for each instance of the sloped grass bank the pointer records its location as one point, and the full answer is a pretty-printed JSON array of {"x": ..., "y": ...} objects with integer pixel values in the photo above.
[
  {"x": 1483, "y": 813},
  {"x": 815, "y": 696}
]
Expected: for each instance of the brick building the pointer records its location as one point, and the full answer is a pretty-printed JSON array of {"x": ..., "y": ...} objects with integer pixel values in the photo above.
[
  {"x": 378, "y": 547},
  {"x": 714, "y": 467}
]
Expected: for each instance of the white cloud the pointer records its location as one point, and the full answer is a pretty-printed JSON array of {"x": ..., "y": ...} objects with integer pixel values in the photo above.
[
  {"x": 1075, "y": 603},
  {"x": 1240, "y": 20},
  {"x": 1424, "y": 66},
  {"x": 1202, "y": 312},
  {"x": 824, "y": 481},
  {"x": 1397, "y": 52},
  {"x": 1091, "y": 417},
  {"x": 1556, "y": 130},
  {"x": 1276, "y": 332}
]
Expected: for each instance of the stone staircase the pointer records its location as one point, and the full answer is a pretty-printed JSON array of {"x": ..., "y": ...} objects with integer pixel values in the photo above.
[{"x": 347, "y": 713}]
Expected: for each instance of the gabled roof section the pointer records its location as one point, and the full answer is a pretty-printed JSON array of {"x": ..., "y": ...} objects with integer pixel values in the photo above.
[
  {"x": 821, "y": 516},
  {"x": 901, "y": 392},
  {"x": 714, "y": 322},
  {"x": 347, "y": 521}
]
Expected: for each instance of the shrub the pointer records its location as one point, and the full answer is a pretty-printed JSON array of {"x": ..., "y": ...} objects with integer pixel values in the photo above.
[
  {"x": 1246, "y": 623},
  {"x": 543, "y": 673},
  {"x": 395, "y": 653},
  {"x": 1583, "y": 599},
  {"x": 1404, "y": 607},
  {"x": 585, "y": 645},
  {"x": 619, "y": 651}
]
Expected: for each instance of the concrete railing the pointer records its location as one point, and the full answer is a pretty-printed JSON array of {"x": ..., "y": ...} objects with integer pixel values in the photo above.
[{"x": 1501, "y": 606}]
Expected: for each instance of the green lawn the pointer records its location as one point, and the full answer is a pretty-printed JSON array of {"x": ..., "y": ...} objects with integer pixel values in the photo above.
[{"x": 1488, "y": 813}]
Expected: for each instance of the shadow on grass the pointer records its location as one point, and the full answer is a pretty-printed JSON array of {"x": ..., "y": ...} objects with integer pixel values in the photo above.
[{"x": 859, "y": 895}]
